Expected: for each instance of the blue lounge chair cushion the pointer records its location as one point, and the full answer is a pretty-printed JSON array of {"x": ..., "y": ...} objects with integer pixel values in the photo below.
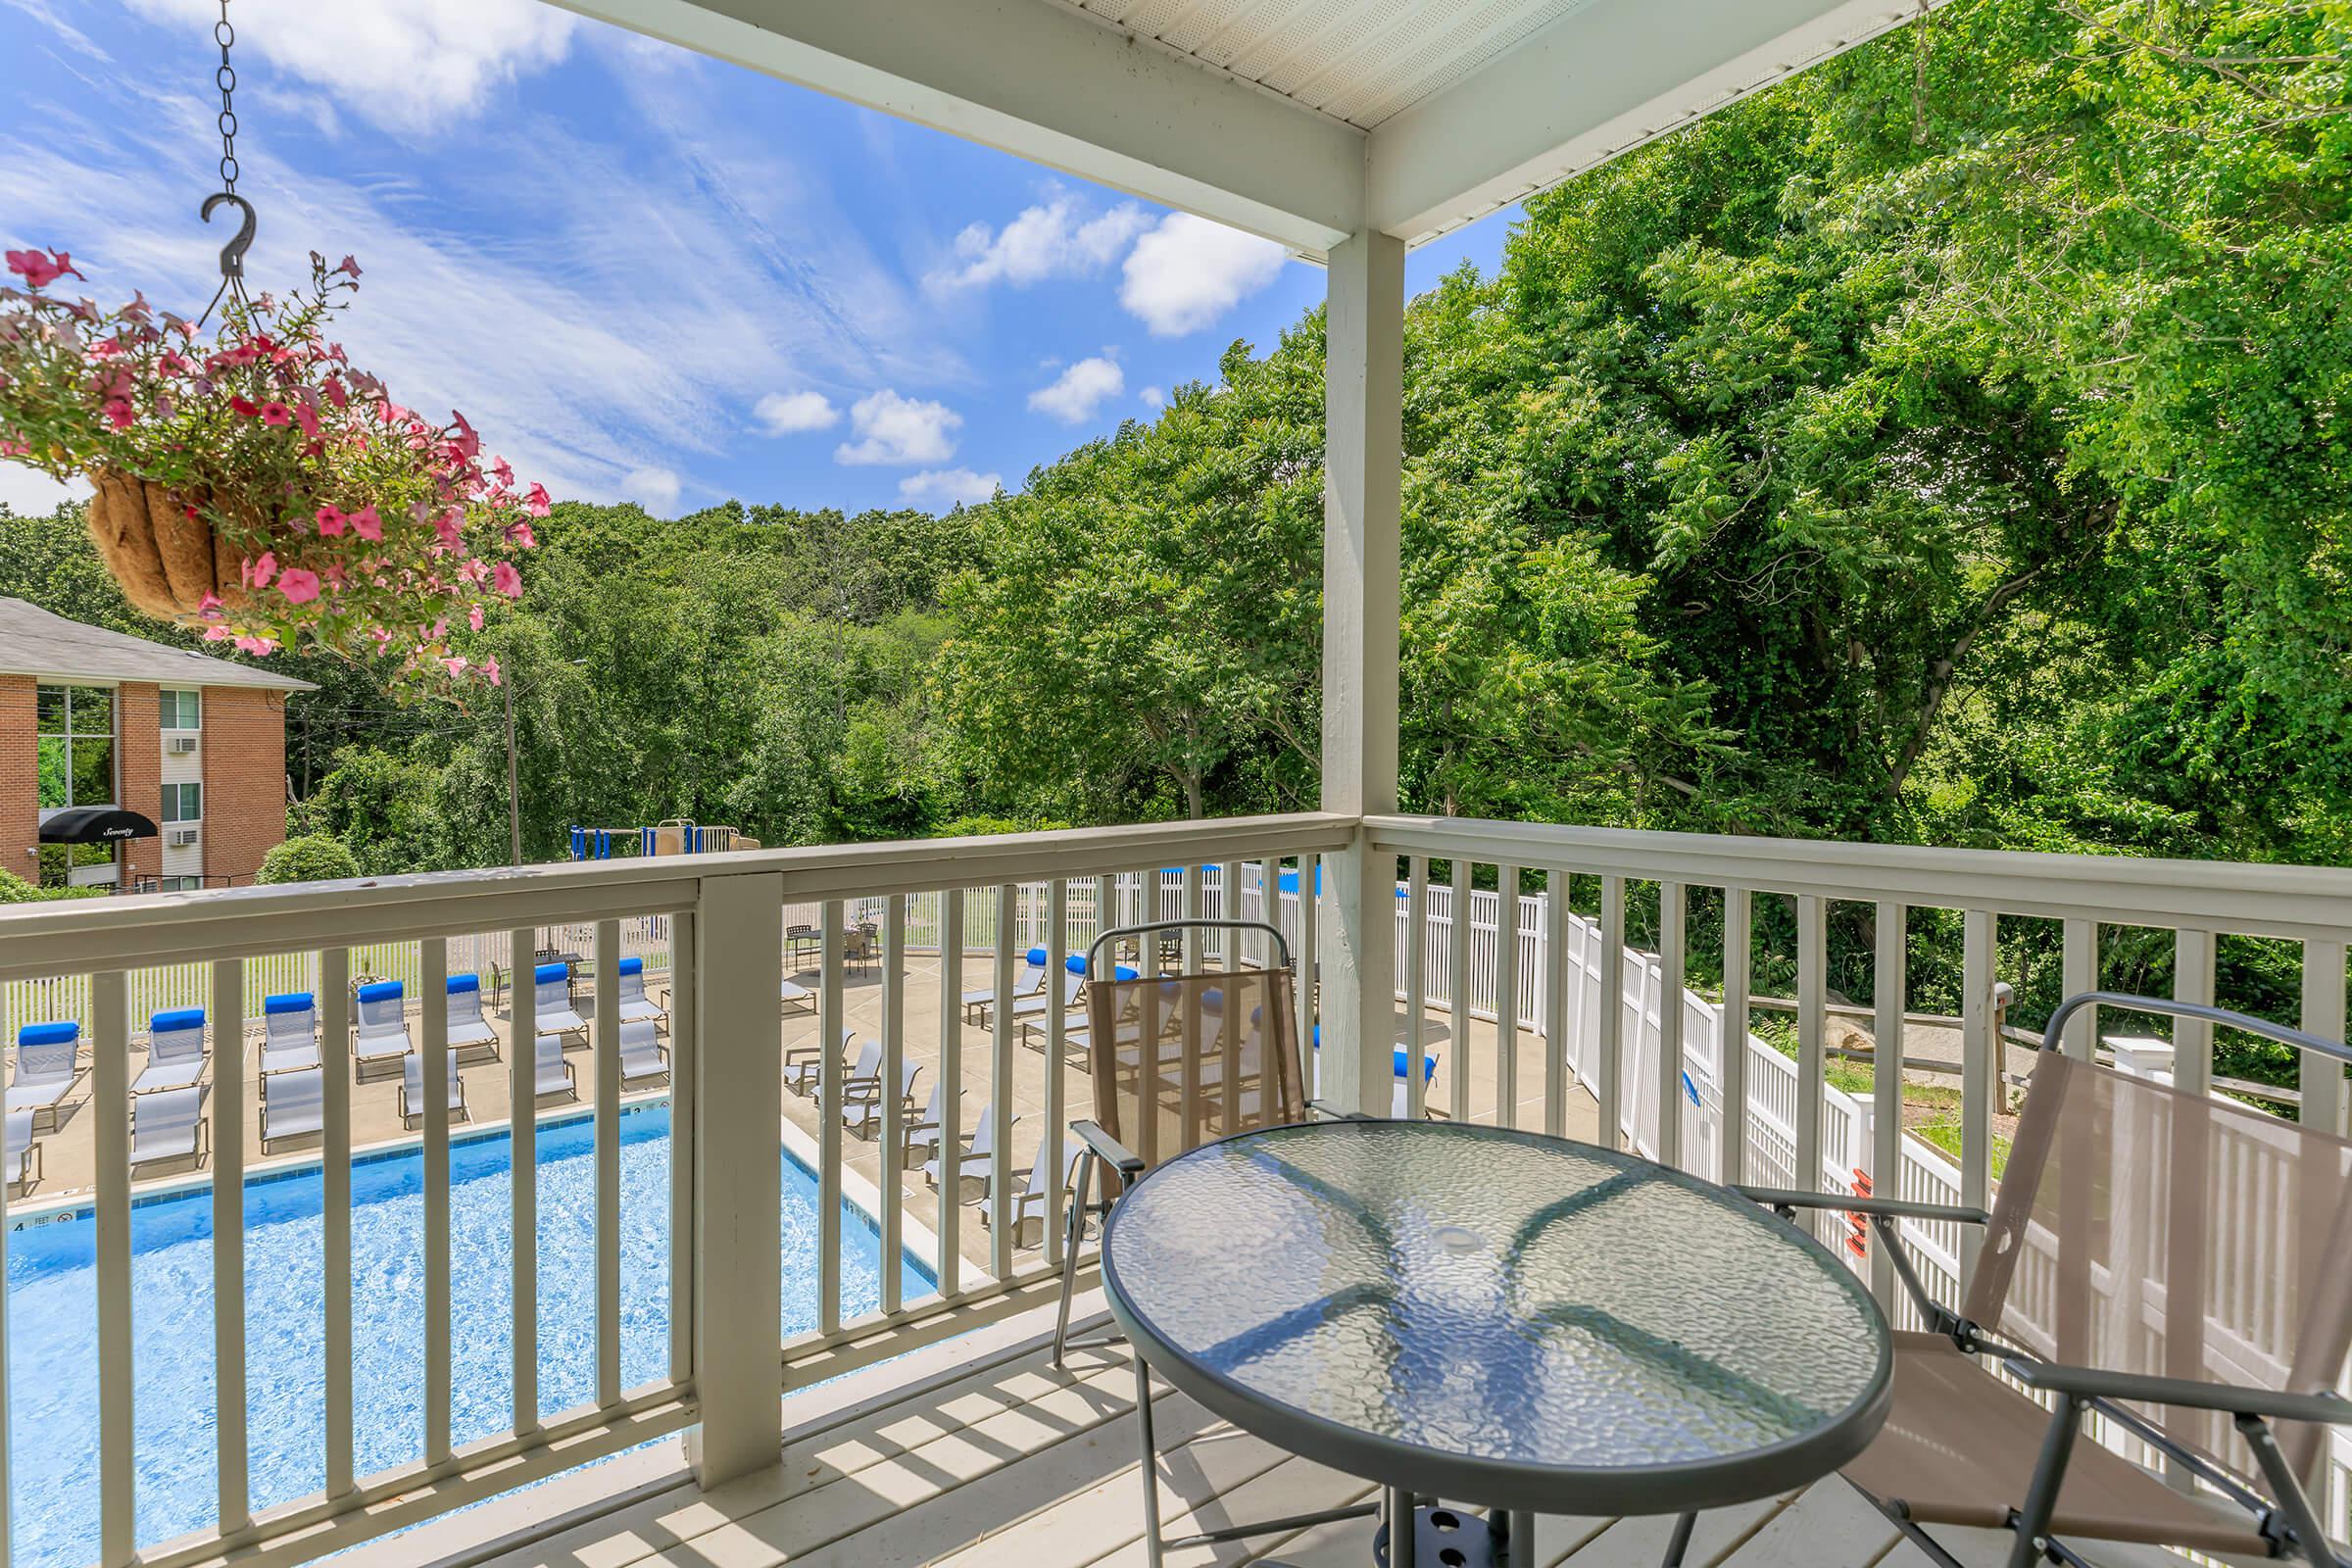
[
  {"x": 1076, "y": 963},
  {"x": 48, "y": 1034},
  {"x": 632, "y": 966},
  {"x": 164, "y": 1024},
  {"x": 551, "y": 971},
  {"x": 1404, "y": 1069},
  {"x": 381, "y": 990},
  {"x": 465, "y": 982},
  {"x": 290, "y": 1002},
  {"x": 1034, "y": 957},
  {"x": 1120, "y": 971}
]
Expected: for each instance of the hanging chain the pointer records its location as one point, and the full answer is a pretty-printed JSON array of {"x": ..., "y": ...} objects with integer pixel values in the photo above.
[
  {"x": 226, "y": 77},
  {"x": 233, "y": 253}
]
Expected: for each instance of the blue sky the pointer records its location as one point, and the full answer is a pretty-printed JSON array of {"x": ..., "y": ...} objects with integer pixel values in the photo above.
[{"x": 642, "y": 274}]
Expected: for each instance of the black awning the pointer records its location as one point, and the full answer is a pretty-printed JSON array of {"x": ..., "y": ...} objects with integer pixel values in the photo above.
[{"x": 94, "y": 824}]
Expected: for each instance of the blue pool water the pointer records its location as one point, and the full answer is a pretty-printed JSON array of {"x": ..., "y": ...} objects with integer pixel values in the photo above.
[{"x": 53, "y": 1334}]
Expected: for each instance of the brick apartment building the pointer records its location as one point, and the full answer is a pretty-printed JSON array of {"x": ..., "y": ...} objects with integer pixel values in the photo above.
[{"x": 130, "y": 764}]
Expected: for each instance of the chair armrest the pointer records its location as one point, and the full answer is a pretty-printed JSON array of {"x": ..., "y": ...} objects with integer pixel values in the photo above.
[
  {"x": 1109, "y": 1150},
  {"x": 2133, "y": 1387},
  {"x": 1324, "y": 1108},
  {"x": 1883, "y": 1207}
]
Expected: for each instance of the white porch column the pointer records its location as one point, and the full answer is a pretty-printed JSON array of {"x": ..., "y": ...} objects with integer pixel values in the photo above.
[{"x": 1363, "y": 442}]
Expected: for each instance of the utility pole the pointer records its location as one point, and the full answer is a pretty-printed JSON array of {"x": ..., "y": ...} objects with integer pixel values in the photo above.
[{"x": 514, "y": 797}]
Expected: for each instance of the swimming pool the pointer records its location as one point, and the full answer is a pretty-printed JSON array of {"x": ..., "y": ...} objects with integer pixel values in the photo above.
[{"x": 53, "y": 1333}]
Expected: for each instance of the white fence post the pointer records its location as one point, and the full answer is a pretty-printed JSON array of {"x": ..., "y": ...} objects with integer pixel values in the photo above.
[{"x": 738, "y": 1205}]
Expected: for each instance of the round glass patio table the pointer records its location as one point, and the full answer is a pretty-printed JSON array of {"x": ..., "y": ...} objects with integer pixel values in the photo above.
[{"x": 1498, "y": 1318}]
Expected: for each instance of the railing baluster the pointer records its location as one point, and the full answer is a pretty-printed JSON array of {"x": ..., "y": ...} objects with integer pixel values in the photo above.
[
  {"x": 1457, "y": 990},
  {"x": 1196, "y": 904},
  {"x": 1002, "y": 1043},
  {"x": 433, "y": 983},
  {"x": 891, "y": 1111},
  {"x": 523, "y": 1175},
  {"x": 2193, "y": 1038},
  {"x": 228, "y": 1247},
  {"x": 1812, "y": 1016},
  {"x": 608, "y": 1162},
  {"x": 1556, "y": 982},
  {"x": 829, "y": 1043},
  {"x": 110, "y": 1110},
  {"x": 1309, "y": 959},
  {"x": 1058, "y": 945},
  {"x": 1889, "y": 1002},
  {"x": 1507, "y": 996},
  {"x": 685, "y": 1068},
  {"x": 951, "y": 1099},
  {"x": 1980, "y": 1075},
  {"x": 2079, "y": 969},
  {"x": 1416, "y": 986},
  {"x": 1609, "y": 1054},
  {"x": 2323, "y": 1076},
  {"x": 1739, "y": 955},
  {"x": 1673, "y": 934},
  {"x": 1229, "y": 886},
  {"x": 334, "y": 1060}
]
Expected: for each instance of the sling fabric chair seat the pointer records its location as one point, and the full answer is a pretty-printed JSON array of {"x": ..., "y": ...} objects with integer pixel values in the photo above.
[
  {"x": 466, "y": 1025},
  {"x": 381, "y": 1039},
  {"x": 635, "y": 1006},
  {"x": 289, "y": 1032},
  {"x": 293, "y": 1104},
  {"x": 175, "y": 1052},
  {"x": 551, "y": 1070},
  {"x": 46, "y": 1067}
]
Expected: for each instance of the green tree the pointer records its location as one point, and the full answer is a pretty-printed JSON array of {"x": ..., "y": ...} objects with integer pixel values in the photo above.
[{"x": 312, "y": 857}]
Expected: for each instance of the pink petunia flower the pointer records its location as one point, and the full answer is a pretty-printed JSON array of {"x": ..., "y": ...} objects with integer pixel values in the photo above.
[
  {"x": 259, "y": 647},
  {"x": 366, "y": 524},
  {"x": 330, "y": 520},
  {"x": 120, "y": 413},
  {"x": 520, "y": 536},
  {"x": 244, "y": 406},
  {"x": 473, "y": 618},
  {"x": 276, "y": 413},
  {"x": 349, "y": 266},
  {"x": 260, "y": 569},
  {"x": 490, "y": 670},
  {"x": 506, "y": 580},
  {"x": 536, "y": 503},
  {"x": 299, "y": 584},
  {"x": 39, "y": 271}
]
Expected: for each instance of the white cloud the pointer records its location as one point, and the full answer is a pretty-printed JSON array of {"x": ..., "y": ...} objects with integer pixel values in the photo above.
[
  {"x": 947, "y": 486},
  {"x": 656, "y": 489},
  {"x": 1074, "y": 396},
  {"x": 789, "y": 413},
  {"x": 30, "y": 493},
  {"x": 1152, "y": 397},
  {"x": 411, "y": 65},
  {"x": 1188, "y": 271},
  {"x": 1046, "y": 241},
  {"x": 899, "y": 430}
]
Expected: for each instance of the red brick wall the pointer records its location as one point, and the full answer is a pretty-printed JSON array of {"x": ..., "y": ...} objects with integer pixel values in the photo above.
[
  {"x": 139, "y": 774},
  {"x": 20, "y": 779},
  {"x": 244, "y": 754}
]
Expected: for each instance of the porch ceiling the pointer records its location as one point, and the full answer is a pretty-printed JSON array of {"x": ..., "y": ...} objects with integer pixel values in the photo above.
[{"x": 1306, "y": 121}]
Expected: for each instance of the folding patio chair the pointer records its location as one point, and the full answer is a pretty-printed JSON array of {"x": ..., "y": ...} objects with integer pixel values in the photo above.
[
  {"x": 805, "y": 1065},
  {"x": 635, "y": 1006},
  {"x": 550, "y": 1070},
  {"x": 467, "y": 1027},
  {"x": 1177, "y": 1062},
  {"x": 2176, "y": 1263},
  {"x": 552, "y": 1009},
  {"x": 381, "y": 1039},
  {"x": 1028, "y": 976},
  {"x": 413, "y": 1101},
  {"x": 175, "y": 1052},
  {"x": 861, "y": 1102},
  {"x": 289, "y": 1032},
  {"x": 168, "y": 1124},
  {"x": 643, "y": 1056},
  {"x": 47, "y": 1054},
  {"x": 293, "y": 1104}
]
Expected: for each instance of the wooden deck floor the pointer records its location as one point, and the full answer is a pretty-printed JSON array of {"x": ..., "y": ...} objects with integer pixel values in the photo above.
[{"x": 1016, "y": 1464}]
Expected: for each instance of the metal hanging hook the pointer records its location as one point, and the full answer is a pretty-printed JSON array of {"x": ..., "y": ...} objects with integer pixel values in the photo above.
[{"x": 233, "y": 253}]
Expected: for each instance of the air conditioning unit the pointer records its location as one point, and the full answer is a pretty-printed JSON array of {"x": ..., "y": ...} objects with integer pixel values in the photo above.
[
  {"x": 179, "y": 745},
  {"x": 179, "y": 838}
]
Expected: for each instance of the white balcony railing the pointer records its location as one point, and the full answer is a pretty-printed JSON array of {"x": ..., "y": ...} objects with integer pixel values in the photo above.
[{"x": 729, "y": 1331}]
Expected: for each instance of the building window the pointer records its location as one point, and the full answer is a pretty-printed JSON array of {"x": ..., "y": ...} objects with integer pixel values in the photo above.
[
  {"x": 76, "y": 725},
  {"x": 181, "y": 709},
  {"x": 183, "y": 803}
]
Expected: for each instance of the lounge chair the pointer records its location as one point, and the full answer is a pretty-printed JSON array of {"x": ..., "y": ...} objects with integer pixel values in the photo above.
[
  {"x": 642, "y": 1053},
  {"x": 1399, "y": 1100},
  {"x": 289, "y": 1032},
  {"x": 861, "y": 1101},
  {"x": 22, "y": 1149},
  {"x": 635, "y": 1006},
  {"x": 1028, "y": 977},
  {"x": 803, "y": 1066},
  {"x": 552, "y": 1069},
  {"x": 2183, "y": 1260},
  {"x": 1036, "y": 1020},
  {"x": 46, "y": 1067},
  {"x": 382, "y": 1040},
  {"x": 167, "y": 1124},
  {"x": 796, "y": 997},
  {"x": 467, "y": 1027},
  {"x": 979, "y": 1156},
  {"x": 175, "y": 1052},
  {"x": 1033, "y": 1008},
  {"x": 293, "y": 1103},
  {"x": 922, "y": 1133},
  {"x": 412, "y": 1088},
  {"x": 551, "y": 1003},
  {"x": 1029, "y": 1204}
]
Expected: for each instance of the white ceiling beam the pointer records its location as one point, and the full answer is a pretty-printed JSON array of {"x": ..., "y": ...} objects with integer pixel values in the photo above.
[
  {"x": 1050, "y": 84},
  {"x": 1601, "y": 81}
]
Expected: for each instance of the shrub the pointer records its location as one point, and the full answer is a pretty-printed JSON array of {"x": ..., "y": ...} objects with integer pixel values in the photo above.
[
  {"x": 312, "y": 858},
  {"x": 14, "y": 889}
]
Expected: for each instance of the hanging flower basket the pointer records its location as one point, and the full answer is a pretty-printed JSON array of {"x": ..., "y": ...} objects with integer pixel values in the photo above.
[{"x": 258, "y": 486}]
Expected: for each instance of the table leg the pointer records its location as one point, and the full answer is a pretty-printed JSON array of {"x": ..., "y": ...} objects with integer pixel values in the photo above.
[
  {"x": 1680, "y": 1542},
  {"x": 1401, "y": 1527},
  {"x": 1143, "y": 1420},
  {"x": 1522, "y": 1540}
]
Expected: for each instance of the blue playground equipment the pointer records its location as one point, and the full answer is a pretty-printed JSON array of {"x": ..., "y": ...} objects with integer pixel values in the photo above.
[{"x": 671, "y": 836}]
